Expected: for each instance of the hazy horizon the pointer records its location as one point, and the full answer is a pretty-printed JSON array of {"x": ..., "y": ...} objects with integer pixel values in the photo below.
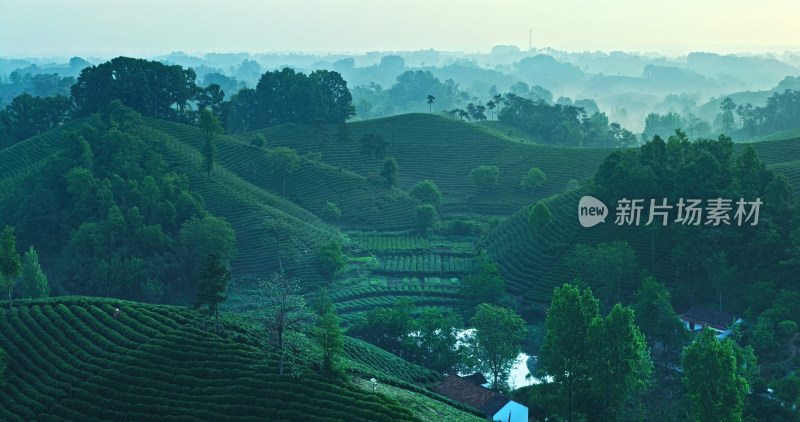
[{"x": 96, "y": 28}]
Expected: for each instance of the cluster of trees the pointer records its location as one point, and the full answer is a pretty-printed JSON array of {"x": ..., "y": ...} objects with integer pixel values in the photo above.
[
  {"x": 779, "y": 113},
  {"x": 28, "y": 116},
  {"x": 665, "y": 125},
  {"x": 286, "y": 96},
  {"x": 112, "y": 220},
  {"x": 565, "y": 125}
]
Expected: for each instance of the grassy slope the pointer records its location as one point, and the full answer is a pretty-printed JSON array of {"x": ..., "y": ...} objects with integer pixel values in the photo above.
[
  {"x": 69, "y": 359},
  {"x": 445, "y": 151}
]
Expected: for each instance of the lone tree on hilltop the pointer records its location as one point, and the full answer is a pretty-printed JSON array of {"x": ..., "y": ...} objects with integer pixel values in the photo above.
[{"x": 430, "y": 103}]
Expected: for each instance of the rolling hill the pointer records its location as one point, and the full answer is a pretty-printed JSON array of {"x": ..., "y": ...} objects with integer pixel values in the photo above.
[{"x": 70, "y": 359}]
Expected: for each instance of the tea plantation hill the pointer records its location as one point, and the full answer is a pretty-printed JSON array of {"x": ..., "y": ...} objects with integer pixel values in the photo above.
[
  {"x": 532, "y": 261},
  {"x": 70, "y": 359}
]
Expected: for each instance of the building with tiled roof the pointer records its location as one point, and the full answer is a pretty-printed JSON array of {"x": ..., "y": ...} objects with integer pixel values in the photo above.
[
  {"x": 699, "y": 316},
  {"x": 495, "y": 405}
]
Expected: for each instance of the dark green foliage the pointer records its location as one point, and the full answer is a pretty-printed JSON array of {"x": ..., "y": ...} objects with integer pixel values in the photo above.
[
  {"x": 34, "y": 281},
  {"x": 10, "y": 266},
  {"x": 330, "y": 257},
  {"x": 211, "y": 286},
  {"x": 564, "y": 125},
  {"x": 496, "y": 342},
  {"x": 657, "y": 319},
  {"x": 484, "y": 177},
  {"x": 3, "y": 366},
  {"x": 330, "y": 340},
  {"x": 28, "y": 116},
  {"x": 211, "y": 128},
  {"x": 106, "y": 214},
  {"x": 610, "y": 269},
  {"x": 533, "y": 179},
  {"x": 714, "y": 386},
  {"x": 285, "y": 96},
  {"x": 597, "y": 363},
  {"x": 149, "y": 87},
  {"x": 540, "y": 216},
  {"x": 426, "y": 217},
  {"x": 484, "y": 284},
  {"x": 258, "y": 140},
  {"x": 373, "y": 145},
  {"x": 390, "y": 173},
  {"x": 330, "y": 211},
  {"x": 426, "y": 192}
]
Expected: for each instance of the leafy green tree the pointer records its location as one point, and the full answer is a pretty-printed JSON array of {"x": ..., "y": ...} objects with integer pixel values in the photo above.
[
  {"x": 284, "y": 161},
  {"x": 714, "y": 386},
  {"x": 539, "y": 216},
  {"x": 566, "y": 352},
  {"x": 330, "y": 340},
  {"x": 484, "y": 177},
  {"x": 207, "y": 235},
  {"x": 388, "y": 327},
  {"x": 373, "y": 144},
  {"x": 10, "y": 266},
  {"x": 426, "y": 192},
  {"x": 258, "y": 140},
  {"x": 657, "y": 319},
  {"x": 485, "y": 284},
  {"x": 330, "y": 257},
  {"x": 211, "y": 286},
  {"x": 727, "y": 106},
  {"x": 430, "y": 103},
  {"x": 620, "y": 366},
  {"x": 330, "y": 211},
  {"x": 282, "y": 309},
  {"x": 437, "y": 335},
  {"x": 211, "y": 128},
  {"x": 533, "y": 179},
  {"x": 426, "y": 217},
  {"x": 34, "y": 282},
  {"x": 496, "y": 341},
  {"x": 607, "y": 267},
  {"x": 390, "y": 172}
]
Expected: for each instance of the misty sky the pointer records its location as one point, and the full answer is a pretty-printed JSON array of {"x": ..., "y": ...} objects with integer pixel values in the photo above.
[{"x": 105, "y": 28}]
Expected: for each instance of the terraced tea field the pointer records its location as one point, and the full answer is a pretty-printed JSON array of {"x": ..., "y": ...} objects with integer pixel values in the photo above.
[{"x": 70, "y": 359}]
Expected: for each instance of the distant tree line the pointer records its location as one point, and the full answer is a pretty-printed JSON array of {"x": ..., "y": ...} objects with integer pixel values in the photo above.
[
  {"x": 170, "y": 92},
  {"x": 781, "y": 112}
]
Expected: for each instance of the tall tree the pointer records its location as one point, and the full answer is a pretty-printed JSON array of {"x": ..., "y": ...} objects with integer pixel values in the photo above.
[
  {"x": 727, "y": 106},
  {"x": 10, "y": 266},
  {"x": 496, "y": 341},
  {"x": 430, "y": 103},
  {"x": 715, "y": 387},
  {"x": 282, "y": 309},
  {"x": 565, "y": 353},
  {"x": 330, "y": 340},
  {"x": 34, "y": 282},
  {"x": 620, "y": 366},
  {"x": 210, "y": 127},
  {"x": 330, "y": 257},
  {"x": 211, "y": 286},
  {"x": 284, "y": 161},
  {"x": 390, "y": 172},
  {"x": 657, "y": 319}
]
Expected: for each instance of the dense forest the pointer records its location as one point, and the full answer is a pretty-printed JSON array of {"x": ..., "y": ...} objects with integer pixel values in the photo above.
[{"x": 346, "y": 247}]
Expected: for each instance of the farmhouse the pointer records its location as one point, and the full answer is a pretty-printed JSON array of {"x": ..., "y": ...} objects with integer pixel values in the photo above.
[
  {"x": 699, "y": 316},
  {"x": 495, "y": 405}
]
